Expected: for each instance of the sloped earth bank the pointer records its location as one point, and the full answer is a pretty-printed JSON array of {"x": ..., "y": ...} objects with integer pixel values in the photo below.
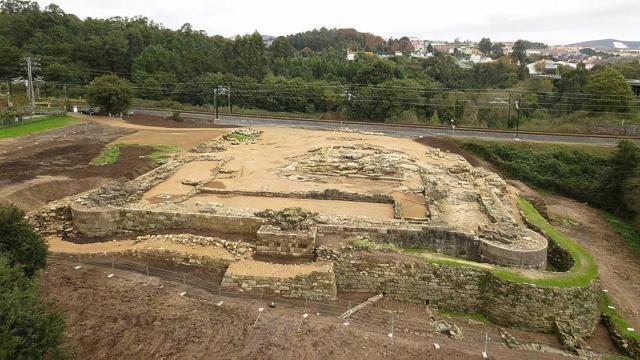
[
  {"x": 131, "y": 316},
  {"x": 619, "y": 265},
  {"x": 47, "y": 166}
]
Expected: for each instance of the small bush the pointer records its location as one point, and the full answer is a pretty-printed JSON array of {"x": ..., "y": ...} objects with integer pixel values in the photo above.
[{"x": 20, "y": 244}]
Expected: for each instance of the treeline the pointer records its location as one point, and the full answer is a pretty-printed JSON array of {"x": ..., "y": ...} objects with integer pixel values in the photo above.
[{"x": 306, "y": 72}]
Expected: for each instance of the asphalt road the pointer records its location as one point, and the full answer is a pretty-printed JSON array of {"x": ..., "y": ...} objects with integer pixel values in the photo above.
[{"x": 392, "y": 130}]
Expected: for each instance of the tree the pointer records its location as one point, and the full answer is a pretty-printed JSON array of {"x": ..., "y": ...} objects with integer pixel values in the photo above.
[
  {"x": 249, "y": 56},
  {"x": 430, "y": 48},
  {"x": 111, "y": 93},
  {"x": 519, "y": 52},
  {"x": 20, "y": 244},
  {"x": 609, "y": 90},
  {"x": 497, "y": 50},
  {"x": 29, "y": 327},
  {"x": 485, "y": 46},
  {"x": 282, "y": 48},
  {"x": 623, "y": 167}
]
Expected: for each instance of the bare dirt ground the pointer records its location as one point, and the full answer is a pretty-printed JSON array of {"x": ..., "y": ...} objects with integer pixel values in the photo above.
[
  {"x": 131, "y": 316},
  {"x": 153, "y": 135},
  {"x": 42, "y": 167},
  {"x": 157, "y": 121},
  {"x": 619, "y": 265}
]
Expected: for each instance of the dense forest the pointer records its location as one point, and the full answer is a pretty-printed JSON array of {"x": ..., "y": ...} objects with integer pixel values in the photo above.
[{"x": 301, "y": 73}]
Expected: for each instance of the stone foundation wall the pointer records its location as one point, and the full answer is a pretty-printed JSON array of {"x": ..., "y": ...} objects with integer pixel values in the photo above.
[
  {"x": 467, "y": 289},
  {"x": 271, "y": 241},
  {"x": 95, "y": 222},
  {"x": 318, "y": 285},
  {"x": 454, "y": 243},
  {"x": 493, "y": 253}
]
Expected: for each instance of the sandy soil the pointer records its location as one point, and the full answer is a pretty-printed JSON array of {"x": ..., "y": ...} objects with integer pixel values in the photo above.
[
  {"x": 193, "y": 171},
  {"x": 135, "y": 317},
  {"x": 324, "y": 207},
  {"x": 62, "y": 246},
  {"x": 618, "y": 264},
  {"x": 153, "y": 135},
  {"x": 272, "y": 270}
]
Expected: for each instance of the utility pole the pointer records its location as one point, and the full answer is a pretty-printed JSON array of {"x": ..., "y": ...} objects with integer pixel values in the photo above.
[
  {"x": 229, "y": 100},
  {"x": 219, "y": 90},
  {"x": 30, "y": 92},
  {"x": 215, "y": 103},
  {"x": 518, "y": 121},
  {"x": 64, "y": 88},
  {"x": 509, "y": 113}
]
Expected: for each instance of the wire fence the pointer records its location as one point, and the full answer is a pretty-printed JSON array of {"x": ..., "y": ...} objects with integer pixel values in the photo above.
[{"x": 374, "y": 318}]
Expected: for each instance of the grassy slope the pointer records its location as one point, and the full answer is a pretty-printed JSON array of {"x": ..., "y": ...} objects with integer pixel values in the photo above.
[
  {"x": 576, "y": 171},
  {"x": 627, "y": 231},
  {"x": 47, "y": 123},
  {"x": 111, "y": 153}
]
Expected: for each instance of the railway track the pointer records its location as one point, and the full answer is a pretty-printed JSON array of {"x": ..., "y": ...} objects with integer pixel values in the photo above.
[{"x": 401, "y": 130}]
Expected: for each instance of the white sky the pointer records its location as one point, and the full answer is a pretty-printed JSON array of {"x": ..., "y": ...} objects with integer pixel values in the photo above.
[{"x": 550, "y": 21}]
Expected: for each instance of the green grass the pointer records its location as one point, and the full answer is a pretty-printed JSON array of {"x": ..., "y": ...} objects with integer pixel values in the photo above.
[
  {"x": 111, "y": 153},
  {"x": 618, "y": 321},
  {"x": 581, "y": 274},
  {"x": 627, "y": 231},
  {"x": 240, "y": 137},
  {"x": 44, "y": 124}
]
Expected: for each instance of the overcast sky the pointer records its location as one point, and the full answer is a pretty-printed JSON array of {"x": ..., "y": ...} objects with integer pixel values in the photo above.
[{"x": 550, "y": 21}]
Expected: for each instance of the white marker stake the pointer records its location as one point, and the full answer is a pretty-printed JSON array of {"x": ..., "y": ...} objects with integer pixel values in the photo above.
[
  {"x": 485, "y": 354},
  {"x": 260, "y": 310},
  {"x": 110, "y": 276},
  {"x": 437, "y": 346},
  {"x": 183, "y": 293},
  {"x": 77, "y": 267},
  {"x": 220, "y": 303},
  {"x": 301, "y": 321}
]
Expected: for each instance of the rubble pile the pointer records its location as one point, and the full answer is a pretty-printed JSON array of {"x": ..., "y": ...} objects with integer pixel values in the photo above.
[
  {"x": 290, "y": 218},
  {"x": 349, "y": 160},
  {"x": 243, "y": 136},
  {"x": 236, "y": 248},
  {"x": 209, "y": 147}
]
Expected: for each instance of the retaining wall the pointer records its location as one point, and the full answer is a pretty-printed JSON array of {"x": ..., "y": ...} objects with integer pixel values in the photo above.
[
  {"x": 104, "y": 222},
  {"x": 450, "y": 242},
  {"x": 467, "y": 289},
  {"x": 317, "y": 285},
  {"x": 271, "y": 241}
]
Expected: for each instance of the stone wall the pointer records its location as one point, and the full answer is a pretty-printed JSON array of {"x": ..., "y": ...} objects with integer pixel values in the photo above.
[
  {"x": 94, "y": 222},
  {"x": 467, "y": 289},
  {"x": 272, "y": 241},
  {"x": 317, "y": 285},
  {"x": 630, "y": 347},
  {"x": 450, "y": 242}
]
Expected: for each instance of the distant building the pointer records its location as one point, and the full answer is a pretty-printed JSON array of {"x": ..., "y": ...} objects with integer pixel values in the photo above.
[
  {"x": 635, "y": 86},
  {"x": 351, "y": 56}
]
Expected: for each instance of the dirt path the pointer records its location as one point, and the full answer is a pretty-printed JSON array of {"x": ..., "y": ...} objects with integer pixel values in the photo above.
[{"x": 619, "y": 266}]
